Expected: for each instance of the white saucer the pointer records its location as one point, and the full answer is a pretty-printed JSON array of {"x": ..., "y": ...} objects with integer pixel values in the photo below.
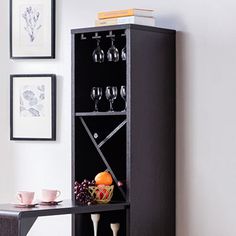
[
  {"x": 51, "y": 203},
  {"x": 23, "y": 205}
]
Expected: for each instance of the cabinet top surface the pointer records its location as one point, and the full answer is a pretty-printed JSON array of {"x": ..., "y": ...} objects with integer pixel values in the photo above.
[{"x": 122, "y": 27}]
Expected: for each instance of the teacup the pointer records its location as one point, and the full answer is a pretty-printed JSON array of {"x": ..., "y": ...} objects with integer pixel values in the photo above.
[
  {"x": 25, "y": 197},
  {"x": 49, "y": 195}
]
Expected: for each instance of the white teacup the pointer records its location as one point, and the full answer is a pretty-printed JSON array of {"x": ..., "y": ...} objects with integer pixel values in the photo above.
[
  {"x": 49, "y": 195},
  {"x": 25, "y": 197}
]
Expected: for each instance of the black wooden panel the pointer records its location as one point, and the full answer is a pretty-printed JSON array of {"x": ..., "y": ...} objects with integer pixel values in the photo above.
[
  {"x": 121, "y": 27},
  {"x": 152, "y": 176},
  {"x": 8, "y": 226}
]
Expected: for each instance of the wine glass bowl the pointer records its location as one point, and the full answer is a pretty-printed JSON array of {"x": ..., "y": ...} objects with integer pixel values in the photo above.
[
  {"x": 98, "y": 53},
  {"x": 123, "y": 95},
  {"x": 111, "y": 95},
  {"x": 123, "y": 53},
  {"x": 113, "y": 53},
  {"x": 96, "y": 95}
]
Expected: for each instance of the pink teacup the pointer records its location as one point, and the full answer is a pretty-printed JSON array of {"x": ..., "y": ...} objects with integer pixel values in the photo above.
[
  {"x": 49, "y": 195},
  {"x": 25, "y": 197}
]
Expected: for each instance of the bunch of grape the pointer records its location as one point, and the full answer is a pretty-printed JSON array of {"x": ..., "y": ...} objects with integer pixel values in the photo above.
[{"x": 82, "y": 194}]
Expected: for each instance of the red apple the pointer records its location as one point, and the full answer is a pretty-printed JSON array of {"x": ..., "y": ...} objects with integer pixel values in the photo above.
[{"x": 102, "y": 193}]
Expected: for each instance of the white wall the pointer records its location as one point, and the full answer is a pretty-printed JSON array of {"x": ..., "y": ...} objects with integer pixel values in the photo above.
[{"x": 206, "y": 114}]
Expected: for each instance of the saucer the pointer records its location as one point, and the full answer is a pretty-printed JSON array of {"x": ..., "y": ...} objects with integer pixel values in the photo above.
[
  {"x": 52, "y": 203},
  {"x": 23, "y": 205}
]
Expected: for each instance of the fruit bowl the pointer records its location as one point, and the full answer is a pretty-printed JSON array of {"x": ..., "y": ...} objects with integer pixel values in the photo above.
[{"x": 102, "y": 193}]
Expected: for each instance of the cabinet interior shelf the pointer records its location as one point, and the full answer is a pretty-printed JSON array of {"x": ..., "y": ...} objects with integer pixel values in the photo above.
[
  {"x": 102, "y": 156},
  {"x": 106, "y": 113}
]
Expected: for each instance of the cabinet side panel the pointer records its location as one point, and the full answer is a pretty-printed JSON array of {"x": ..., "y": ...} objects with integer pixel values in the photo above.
[
  {"x": 152, "y": 120},
  {"x": 72, "y": 126}
]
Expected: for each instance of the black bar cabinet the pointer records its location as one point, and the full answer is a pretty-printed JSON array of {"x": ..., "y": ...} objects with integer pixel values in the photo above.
[{"x": 136, "y": 144}]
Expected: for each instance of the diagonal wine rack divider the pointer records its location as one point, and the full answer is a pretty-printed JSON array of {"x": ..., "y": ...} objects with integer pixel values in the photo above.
[
  {"x": 100, "y": 152},
  {"x": 112, "y": 133}
]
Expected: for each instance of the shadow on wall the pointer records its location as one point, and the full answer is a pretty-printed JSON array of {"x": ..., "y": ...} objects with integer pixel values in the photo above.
[
  {"x": 182, "y": 90},
  {"x": 183, "y": 207},
  {"x": 169, "y": 22}
]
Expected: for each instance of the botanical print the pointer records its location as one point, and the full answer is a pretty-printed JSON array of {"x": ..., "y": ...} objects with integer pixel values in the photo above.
[
  {"x": 32, "y": 23},
  {"x": 32, "y": 101}
]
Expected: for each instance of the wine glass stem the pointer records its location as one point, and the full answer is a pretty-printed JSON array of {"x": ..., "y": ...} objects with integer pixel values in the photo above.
[
  {"x": 111, "y": 107},
  {"x": 95, "y": 227},
  {"x": 96, "y": 105}
]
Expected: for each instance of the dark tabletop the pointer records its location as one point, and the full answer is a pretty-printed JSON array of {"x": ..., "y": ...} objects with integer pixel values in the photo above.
[{"x": 65, "y": 207}]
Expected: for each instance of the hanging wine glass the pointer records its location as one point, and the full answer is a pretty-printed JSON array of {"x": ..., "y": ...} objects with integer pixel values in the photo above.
[
  {"x": 111, "y": 95},
  {"x": 113, "y": 53},
  {"x": 123, "y": 53},
  {"x": 98, "y": 53},
  {"x": 96, "y": 95},
  {"x": 123, "y": 95}
]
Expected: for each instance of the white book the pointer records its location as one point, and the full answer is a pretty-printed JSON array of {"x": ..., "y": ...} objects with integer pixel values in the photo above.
[
  {"x": 127, "y": 20},
  {"x": 124, "y": 13}
]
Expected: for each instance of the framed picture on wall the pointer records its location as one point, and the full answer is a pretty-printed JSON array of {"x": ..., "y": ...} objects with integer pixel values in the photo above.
[
  {"x": 32, "y": 29},
  {"x": 33, "y": 107}
]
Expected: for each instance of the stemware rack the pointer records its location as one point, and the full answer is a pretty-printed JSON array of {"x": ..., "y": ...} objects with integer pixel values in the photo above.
[
  {"x": 136, "y": 145},
  {"x": 97, "y": 36}
]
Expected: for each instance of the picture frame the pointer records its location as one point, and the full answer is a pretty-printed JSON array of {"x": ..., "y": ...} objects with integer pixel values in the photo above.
[
  {"x": 33, "y": 107},
  {"x": 32, "y": 29}
]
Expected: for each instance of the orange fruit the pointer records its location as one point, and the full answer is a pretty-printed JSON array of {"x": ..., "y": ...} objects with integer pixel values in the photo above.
[{"x": 103, "y": 178}]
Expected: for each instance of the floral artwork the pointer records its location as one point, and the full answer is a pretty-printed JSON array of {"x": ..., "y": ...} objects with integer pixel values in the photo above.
[
  {"x": 32, "y": 22},
  {"x": 32, "y": 29},
  {"x": 33, "y": 107},
  {"x": 32, "y": 99}
]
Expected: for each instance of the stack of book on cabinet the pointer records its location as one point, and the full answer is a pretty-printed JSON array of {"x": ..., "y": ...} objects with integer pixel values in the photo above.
[{"x": 128, "y": 16}]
